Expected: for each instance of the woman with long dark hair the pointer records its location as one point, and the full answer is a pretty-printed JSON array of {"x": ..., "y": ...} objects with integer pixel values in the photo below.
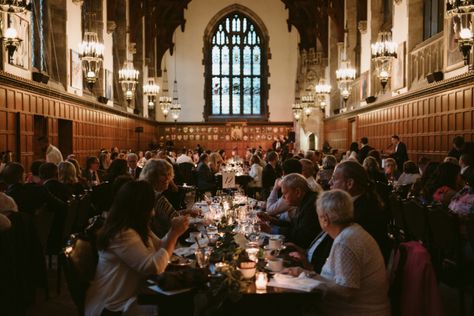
[{"x": 129, "y": 252}]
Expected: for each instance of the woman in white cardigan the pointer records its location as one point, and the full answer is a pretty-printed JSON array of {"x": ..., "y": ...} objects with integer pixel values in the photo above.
[{"x": 129, "y": 252}]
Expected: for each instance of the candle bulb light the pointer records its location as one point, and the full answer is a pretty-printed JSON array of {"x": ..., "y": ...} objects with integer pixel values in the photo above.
[{"x": 261, "y": 281}]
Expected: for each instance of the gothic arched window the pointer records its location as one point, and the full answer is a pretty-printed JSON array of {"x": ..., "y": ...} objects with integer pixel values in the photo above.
[{"x": 236, "y": 69}]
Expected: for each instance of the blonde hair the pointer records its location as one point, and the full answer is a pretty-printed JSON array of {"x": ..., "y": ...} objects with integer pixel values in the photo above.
[
  {"x": 67, "y": 173},
  {"x": 155, "y": 168}
]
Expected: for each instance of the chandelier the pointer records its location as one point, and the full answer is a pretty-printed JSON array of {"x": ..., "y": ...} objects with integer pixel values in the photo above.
[
  {"x": 151, "y": 90},
  {"x": 11, "y": 41},
  {"x": 383, "y": 52},
  {"x": 175, "y": 111},
  {"x": 322, "y": 91},
  {"x": 463, "y": 9},
  {"x": 15, "y": 6},
  {"x": 165, "y": 105},
  {"x": 307, "y": 104},
  {"x": 91, "y": 52},
  {"x": 345, "y": 75},
  {"x": 128, "y": 78},
  {"x": 297, "y": 109}
]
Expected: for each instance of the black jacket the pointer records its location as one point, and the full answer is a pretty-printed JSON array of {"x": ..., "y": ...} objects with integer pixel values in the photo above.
[
  {"x": 401, "y": 155},
  {"x": 363, "y": 152},
  {"x": 306, "y": 225}
]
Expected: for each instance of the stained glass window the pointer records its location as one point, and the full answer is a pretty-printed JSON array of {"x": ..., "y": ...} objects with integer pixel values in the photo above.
[{"x": 236, "y": 67}]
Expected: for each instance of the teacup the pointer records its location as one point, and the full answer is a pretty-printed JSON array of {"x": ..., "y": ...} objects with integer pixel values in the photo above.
[
  {"x": 275, "y": 242},
  {"x": 247, "y": 273},
  {"x": 275, "y": 264}
]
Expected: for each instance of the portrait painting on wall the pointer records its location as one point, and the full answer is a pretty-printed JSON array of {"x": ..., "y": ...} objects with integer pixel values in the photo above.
[
  {"x": 21, "y": 57},
  {"x": 398, "y": 69},
  {"x": 454, "y": 58},
  {"x": 76, "y": 70},
  {"x": 236, "y": 132},
  {"x": 364, "y": 85}
]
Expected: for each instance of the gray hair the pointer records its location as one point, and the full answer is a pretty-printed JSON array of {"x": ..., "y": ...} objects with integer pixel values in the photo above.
[
  {"x": 155, "y": 168},
  {"x": 308, "y": 166},
  {"x": 132, "y": 155},
  {"x": 329, "y": 162},
  {"x": 337, "y": 206},
  {"x": 295, "y": 181}
]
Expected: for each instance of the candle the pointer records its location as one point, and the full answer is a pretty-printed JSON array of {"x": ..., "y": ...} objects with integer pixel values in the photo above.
[{"x": 261, "y": 282}]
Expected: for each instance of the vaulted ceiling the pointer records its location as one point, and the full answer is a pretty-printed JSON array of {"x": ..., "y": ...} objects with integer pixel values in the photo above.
[{"x": 309, "y": 17}]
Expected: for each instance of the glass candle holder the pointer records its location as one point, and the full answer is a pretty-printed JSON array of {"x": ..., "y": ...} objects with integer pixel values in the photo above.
[{"x": 261, "y": 281}]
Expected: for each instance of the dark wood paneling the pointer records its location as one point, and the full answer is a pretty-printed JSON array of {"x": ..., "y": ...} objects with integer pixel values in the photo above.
[{"x": 427, "y": 124}]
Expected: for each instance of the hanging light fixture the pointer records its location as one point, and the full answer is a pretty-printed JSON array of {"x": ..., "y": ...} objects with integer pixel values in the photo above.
[
  {"x": 383, "y": 52},
  {"x": 11, "y": 41},
  {"x": 91, "y": 52},
  {"x": 322, "y": 91},
  {"x": 175, "y": 111},
  {"x": 165, "y": 105},
  {"x": 151, "y": 90},
  {"x": 463, "y": 9},
  {"x": 307, "y": 104},
  {"x": 297, "y": 110},
  {"x": 345, "y": 75},
  {"x": 15, "y": 6},
  {"x": 128, "y": 78}
]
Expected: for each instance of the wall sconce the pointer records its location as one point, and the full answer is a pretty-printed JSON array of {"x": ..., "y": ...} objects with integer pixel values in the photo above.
[
  {"x": 322, "y": 91},
  {"x": 11, "y": 41},
  {"x": 463, "y": 9},
  {"x": 91, "y": 52},
  {"x": 175, "y": 111},
  {"x": 297, "y": 110}
]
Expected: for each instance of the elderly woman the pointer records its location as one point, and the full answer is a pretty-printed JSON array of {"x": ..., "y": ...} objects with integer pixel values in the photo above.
[
  {"x": 391, "y": 170},
  {"x": 354, "y": 274}
]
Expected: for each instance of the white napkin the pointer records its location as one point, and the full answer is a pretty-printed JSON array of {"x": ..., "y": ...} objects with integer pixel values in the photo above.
[
  {"x": 187, "y": 251},
  {"x": 301, "y": 283}
]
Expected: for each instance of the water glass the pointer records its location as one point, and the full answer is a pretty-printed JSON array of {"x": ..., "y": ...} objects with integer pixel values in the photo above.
[{"x": 203, "y": 255}]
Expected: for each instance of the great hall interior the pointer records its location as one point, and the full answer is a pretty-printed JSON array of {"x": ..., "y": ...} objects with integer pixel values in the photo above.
[{"x": 109, "y": 84}]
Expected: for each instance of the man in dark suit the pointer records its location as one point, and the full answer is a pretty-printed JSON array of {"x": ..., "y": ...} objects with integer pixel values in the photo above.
[
  {"x": 364, "y": 149},
  {"x": 369, "y": 211},
  {"x": 269, "y": 173},
  {"x": 400, "y": 152},
  {"x": 133, "y": 169}
]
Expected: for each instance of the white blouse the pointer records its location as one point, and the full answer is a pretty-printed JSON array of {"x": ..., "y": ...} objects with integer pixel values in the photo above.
[
  {"x": 256, "y": 173},
  {"x": 121, "y": 271}
]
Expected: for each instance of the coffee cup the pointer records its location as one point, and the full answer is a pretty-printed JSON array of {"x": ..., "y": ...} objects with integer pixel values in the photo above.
[
  {"x": 275, "y": 264},
  {"x": 275, "y": 242}
]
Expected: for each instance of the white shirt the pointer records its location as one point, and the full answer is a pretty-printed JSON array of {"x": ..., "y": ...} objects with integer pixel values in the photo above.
[
  {"x": 184, "y": 159},
  {"x": 256, "y": 173},
  {"x": 53, "y": 154},
  {"x": 121, "y": 270},
  {"x": 355, "y": 262}
]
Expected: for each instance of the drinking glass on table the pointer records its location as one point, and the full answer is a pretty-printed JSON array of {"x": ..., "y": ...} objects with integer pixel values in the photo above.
[{"x": 203, "y": 255}]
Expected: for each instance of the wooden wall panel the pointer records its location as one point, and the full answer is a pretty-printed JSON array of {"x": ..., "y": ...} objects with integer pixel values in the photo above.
[
  {"x": 93, "y": 129},
  {"x": 427, "y": 124}
]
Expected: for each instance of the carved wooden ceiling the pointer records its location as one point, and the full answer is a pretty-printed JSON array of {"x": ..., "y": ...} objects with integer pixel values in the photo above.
[{"x": 309, "y": 17}]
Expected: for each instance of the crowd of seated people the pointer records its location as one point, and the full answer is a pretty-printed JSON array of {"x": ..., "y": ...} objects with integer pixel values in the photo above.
[{"x": 351, "y": 209}]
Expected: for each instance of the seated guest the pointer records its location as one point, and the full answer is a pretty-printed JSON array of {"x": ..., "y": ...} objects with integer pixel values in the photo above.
[
  {"x": 91, "y": 173},
  {"x": 133, "y": 169},
  {"x": 270, "y": 173},
  {"x": 352, "y": 152},
  {"x": 374, "y": 172},
  {"x": 354, "y": 277},
  {"x": 184, "y": 157},
  {"x": 325, "y": 174},
  {"x": 276, "y": 204},
  {"x": 33, "y": 175},
  {"x": 205, "y": 178},
  {"x": 255, "y": 173},
  {"x": 314, "y": 156},
  {"x": 159, "y": 173},
  {"x": 78, "y": 169},
  {"x": 422, "y": 164},
  {"x": 419, "y": 186},
  {"x": 141, "y": 159},
  {"x": 445, "y": 183},
  {"x": 462, "y": 203},
  {"x": 308, "y": 171},
  {"x": 117, "y": 168},
  {"x": 129, "y": 252},
  {"x": 215, "y": 162},
  {"x": 67, "y": 175},
  {"x": 461, "y": 147},
  {"x": 7, "y": 206},
  {"x": 369, "y": 211},
  {"x": 49, "y": 176},
  {"x": 29, "y": 197},
  {"x": 410, "y": 174},
  {"x": 104, "y": 160},
  {"x": 304, "y": 228},
  {"x": 376, "y": 154},
  {"x": 452, "y": 160},
  {"x": 391, "y": 170}
]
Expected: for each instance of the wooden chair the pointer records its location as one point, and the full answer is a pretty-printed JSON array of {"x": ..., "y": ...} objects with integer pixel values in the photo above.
[
  {"x": 416, "y": 221},
  {"x": 186, "y": 170}
]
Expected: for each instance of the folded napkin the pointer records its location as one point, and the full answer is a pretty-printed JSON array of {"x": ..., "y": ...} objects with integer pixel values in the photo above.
[
  {"x": 188, "y": 251},
  {"x": 301, "y": 283}
]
